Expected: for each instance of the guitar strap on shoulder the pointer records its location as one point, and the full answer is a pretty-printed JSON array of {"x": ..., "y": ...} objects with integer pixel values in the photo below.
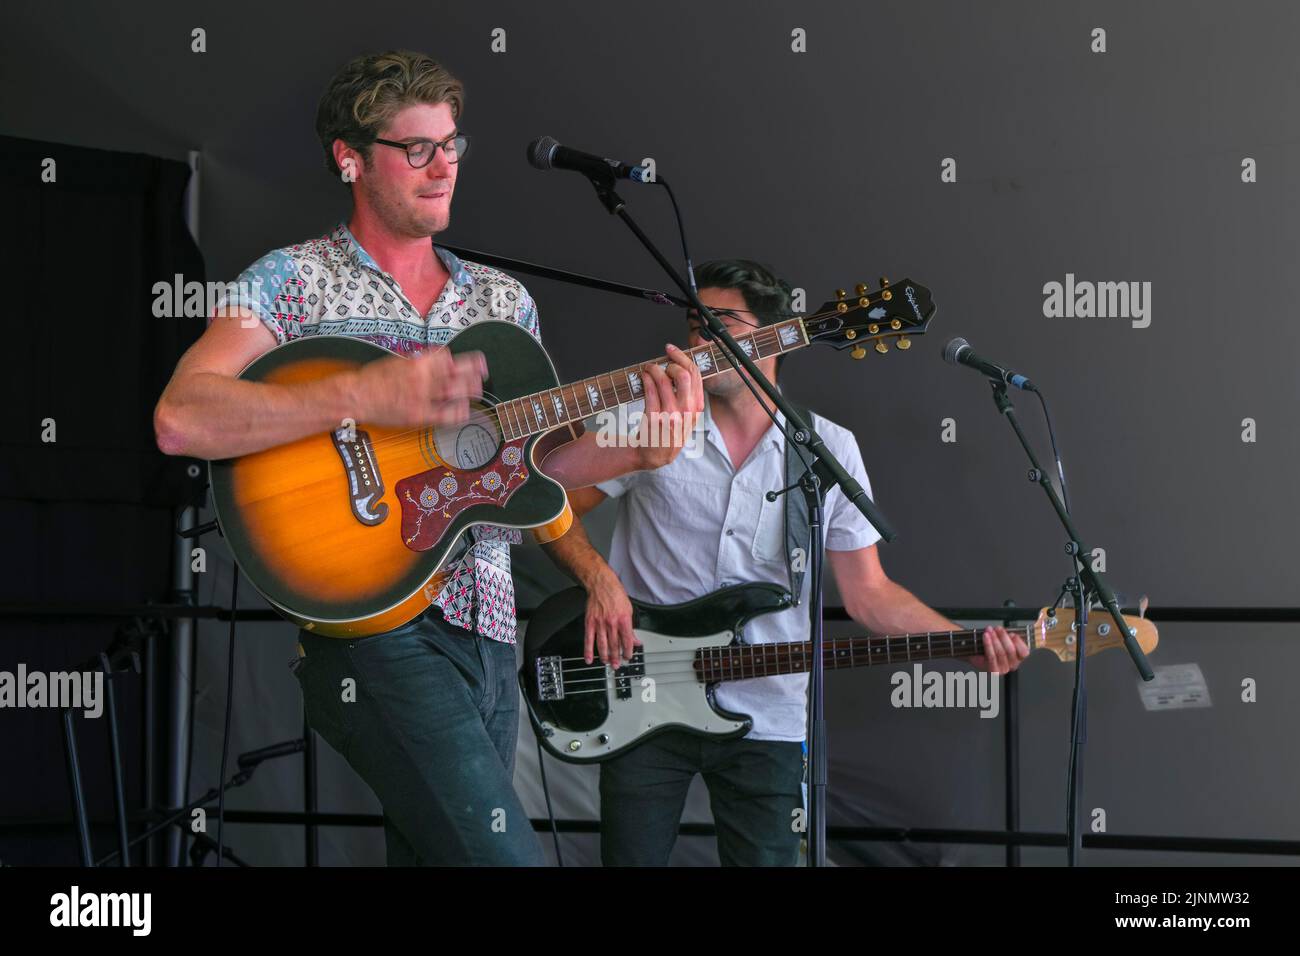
[{"x": 797, "y": 527}]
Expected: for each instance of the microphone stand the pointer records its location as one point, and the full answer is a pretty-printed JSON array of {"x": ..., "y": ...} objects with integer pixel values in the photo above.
[
  {"x": 822, "y": 472},
  {"x": 1085, "y": 583}
]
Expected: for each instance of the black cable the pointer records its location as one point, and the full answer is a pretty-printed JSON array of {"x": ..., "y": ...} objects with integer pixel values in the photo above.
[
  {"x": 225, "y": 737},
  {"x": 1079, "y": 703},
  {"x": 1051, "y": 434},
  {"x": 546, "y": 790},
  {"x": 681, "y": 231}
]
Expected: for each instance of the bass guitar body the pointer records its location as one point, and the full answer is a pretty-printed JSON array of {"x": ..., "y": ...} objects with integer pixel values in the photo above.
[
  {"x": 585, "y": 713},
  {"x": 346, "y": 532}
]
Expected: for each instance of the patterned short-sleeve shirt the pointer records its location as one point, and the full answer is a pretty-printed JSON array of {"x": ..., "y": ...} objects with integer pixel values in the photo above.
[{"x": 332, "y": 286}]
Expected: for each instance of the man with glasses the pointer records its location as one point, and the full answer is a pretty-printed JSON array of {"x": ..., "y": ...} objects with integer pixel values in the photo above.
[
  {"x": 700, "y": 523},
  {"x": 427, "y": 714}
]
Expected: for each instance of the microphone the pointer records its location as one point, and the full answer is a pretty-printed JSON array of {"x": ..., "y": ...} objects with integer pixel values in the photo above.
[
  {"x": 545, "y": 153},
  {"x": 959, "y": 352}
]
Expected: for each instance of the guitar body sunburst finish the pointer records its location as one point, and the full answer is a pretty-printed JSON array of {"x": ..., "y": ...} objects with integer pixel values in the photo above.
[{"x": 345, "y": 533}]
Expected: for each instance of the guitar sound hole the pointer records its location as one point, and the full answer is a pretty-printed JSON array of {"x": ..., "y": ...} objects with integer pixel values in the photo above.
[{"x": 472, "y": 444}]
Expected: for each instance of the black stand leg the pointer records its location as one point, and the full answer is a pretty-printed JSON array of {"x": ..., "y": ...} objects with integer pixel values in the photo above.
[
  {"x": 311, "y": 835},
  {"x": 78, "y": 792},
  {"x": 115, "y": 750},
  {"x": 1078, "y": 727},
  {"x": 149, "y": 782},
  {"x": 818, "y": 758},
  {"x": 1011, "y": 749}
]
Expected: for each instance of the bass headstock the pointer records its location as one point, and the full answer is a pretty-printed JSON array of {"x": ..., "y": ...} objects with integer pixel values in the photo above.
[
  {"x": 894, "y": 312},
  {"x": 1058, "y": 633}
]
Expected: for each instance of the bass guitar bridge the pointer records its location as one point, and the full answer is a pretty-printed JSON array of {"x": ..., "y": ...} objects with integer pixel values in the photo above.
[{"x": 550, "y": 678}]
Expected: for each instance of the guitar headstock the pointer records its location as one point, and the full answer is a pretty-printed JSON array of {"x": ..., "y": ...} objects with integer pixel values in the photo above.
[
  {"x": 1058, "y": 634},
  {"x": 865, "y": 319}
]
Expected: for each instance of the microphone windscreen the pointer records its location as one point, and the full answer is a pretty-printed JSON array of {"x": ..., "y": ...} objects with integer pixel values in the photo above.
[
  {"x": 540, "y": 151},
  {"x": 954, "y": 348}
]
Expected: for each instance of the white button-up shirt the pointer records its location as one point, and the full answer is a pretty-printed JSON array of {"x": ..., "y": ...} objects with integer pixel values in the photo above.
[{"x": 700, "y": 524}]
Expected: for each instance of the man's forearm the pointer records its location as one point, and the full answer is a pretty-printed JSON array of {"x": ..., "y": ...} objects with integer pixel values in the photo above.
[
  {"x": 574, "y": 554},
  {"x": 213, "y": 416},
  {"x": 582, "y": 463},
  {"x": 892, "y": 609}
]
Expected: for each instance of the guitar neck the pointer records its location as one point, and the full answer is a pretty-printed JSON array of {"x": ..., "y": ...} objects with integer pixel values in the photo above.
[
  {"x": 740, "y": 661},
  {"x": 542, "y": 411}
]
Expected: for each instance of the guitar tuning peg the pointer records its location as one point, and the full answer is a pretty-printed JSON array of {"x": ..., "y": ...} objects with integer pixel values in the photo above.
[
  {"x": 860, "y": 288},
  {"x": 840, "y": 293},
  {"x": 884, "y": 283},
  {"x": 858, "y": 352},
  {"x": 903, "y": 343},
  {"x": 882, "y": 348}
]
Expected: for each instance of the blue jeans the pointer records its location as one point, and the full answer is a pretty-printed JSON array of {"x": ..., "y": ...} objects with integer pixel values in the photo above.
[{"x": 428, "y": 716}]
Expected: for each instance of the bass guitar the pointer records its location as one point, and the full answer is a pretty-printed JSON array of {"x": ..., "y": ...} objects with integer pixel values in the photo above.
[{"x": 585, "y": 713}]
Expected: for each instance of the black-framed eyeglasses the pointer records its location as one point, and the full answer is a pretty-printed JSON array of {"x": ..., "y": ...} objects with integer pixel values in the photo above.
[
  {"x": 420, "y": 152},
  {"x": 695, "y": 325}
]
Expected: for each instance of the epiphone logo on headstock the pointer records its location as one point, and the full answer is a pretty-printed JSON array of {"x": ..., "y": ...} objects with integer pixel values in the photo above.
[{"x": 911, "y": 297}]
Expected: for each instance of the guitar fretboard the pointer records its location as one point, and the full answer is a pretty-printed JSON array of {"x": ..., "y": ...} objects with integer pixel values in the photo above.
[
  {"x": 542, "y": 411},
  {"x": 737, "y": 662}
]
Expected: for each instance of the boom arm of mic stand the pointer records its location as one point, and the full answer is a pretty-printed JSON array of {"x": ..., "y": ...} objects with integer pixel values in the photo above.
[{"x": 1080, "y": 552}]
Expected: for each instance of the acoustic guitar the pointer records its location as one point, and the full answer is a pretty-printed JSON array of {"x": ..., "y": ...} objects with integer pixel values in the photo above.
[{"x": 346, "y": 533}]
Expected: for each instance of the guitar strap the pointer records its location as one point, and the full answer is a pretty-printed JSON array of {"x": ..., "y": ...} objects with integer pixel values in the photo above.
[
  {"x": 797, "y": 528},
  {"x": 463, "y": 543}
]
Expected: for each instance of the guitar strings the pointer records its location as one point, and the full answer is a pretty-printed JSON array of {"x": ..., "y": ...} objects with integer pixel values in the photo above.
[
  {"x": 724, "y": 665},
  {"x": 722, "y": 670},
  {"x": 768, "y": 335},
  {"x": 890, "y": 640}
]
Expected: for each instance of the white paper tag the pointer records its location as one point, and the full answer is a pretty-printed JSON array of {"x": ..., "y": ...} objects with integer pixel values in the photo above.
[{"x": 1175, "y": 686}]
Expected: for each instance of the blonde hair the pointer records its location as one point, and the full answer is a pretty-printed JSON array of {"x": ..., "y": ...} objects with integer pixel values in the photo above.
[{"x": 370, "y": 90}]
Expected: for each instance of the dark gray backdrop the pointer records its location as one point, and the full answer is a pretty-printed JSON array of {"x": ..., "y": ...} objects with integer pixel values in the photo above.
[{"x": 1122, "y": 166}]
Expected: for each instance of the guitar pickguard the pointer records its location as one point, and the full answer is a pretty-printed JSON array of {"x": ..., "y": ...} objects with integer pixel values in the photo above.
[{"x": 432, "y": 499}]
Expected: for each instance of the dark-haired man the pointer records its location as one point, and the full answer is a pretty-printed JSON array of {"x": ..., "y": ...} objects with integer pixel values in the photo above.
[{"x": 698, "y": 524}]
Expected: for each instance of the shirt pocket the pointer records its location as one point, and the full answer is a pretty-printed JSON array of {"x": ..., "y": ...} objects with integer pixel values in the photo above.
[
  {"x": 769, "y": 532},
  {"x": 672, "y": 503}
]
